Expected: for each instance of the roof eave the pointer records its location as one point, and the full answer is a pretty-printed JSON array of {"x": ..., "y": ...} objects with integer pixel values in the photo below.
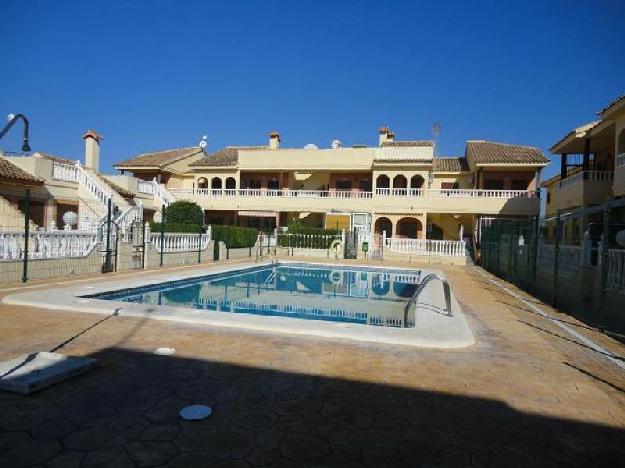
[{"x": 508, "y": 164}]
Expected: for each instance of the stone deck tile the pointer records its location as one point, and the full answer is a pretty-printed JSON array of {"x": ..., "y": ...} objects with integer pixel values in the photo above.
[{"x": 524, "y": 395}]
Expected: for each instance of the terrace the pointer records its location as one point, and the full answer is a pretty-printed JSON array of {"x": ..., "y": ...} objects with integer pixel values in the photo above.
[{"x": 522, "y": 202}]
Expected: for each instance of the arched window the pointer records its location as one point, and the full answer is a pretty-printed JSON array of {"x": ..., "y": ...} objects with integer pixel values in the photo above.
[
  {"x": 202, "y": 183},
  {"x": 216, "y": 183},
  {"x": 400, "y": 181},
  {"x": 416, "y": 181},
  {"x": 383, "y": 181},
  {"x": 409, "y": 228},
  {"x": 384, "y": 224},
  {"x": 231, "y": 183}
]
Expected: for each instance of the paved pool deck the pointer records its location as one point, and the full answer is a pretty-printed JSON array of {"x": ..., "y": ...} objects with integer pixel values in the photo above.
[{"x": 527, "y": 393}]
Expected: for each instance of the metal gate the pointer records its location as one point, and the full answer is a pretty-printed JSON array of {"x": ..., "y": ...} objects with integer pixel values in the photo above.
[
  {"x": 137, "y": 239},
  {"x": 351, "y": 244}
]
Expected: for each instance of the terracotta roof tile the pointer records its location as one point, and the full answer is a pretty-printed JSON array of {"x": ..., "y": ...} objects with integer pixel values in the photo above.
[
  {"x": 611, "y": 104},
  {"x": 160, "y": 159},
  {"x": 226, "y": 157},
  {"x": 55, "y": 158},
  {"x": 448, "y": 164},
  {"x": 489, "y": 152},
  {"x": 403, "y": 143},
  {"x": 9, "y": 172}
]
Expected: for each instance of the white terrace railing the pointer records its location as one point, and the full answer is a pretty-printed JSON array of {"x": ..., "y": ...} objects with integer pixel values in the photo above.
[
  {"x": 481, "y": 193},
  {"x": 592, "y": 176},
  {"x": 47, "y": 245},
  {"x": 66, "y": 172},
  {"x": 569, "y": 259},
  {"x": 349, "y": 194},
  {"x": 400, "y": 192},
  {"x": 146, "y": 186},
  {"x": 616, "y": 270},
  {"x": 179, "y": 242},
  {"x": 427, "y": 247},
  {"x": 620, "y": 160}
]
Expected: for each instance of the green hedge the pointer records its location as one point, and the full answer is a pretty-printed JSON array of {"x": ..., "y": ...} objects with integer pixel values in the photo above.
[
  {"x": 176, "y": 227},
  {"x": 235, "y": 237},
  {"x": 298, "y": 229},
  {"x": 184, "y": 212}
]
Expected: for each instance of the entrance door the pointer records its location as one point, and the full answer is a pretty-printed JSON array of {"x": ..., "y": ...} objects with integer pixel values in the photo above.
[{"x": 351, "y": 244}]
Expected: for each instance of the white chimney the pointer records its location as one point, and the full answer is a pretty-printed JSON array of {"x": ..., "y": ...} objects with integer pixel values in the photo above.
[
  {"x": 274, "y": 140},
  {"x": 92, "y": 150},
  {"x": 385, "y": 135}
]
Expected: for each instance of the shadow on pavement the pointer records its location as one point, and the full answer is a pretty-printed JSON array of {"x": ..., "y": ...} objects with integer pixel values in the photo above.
[{"x": 126, "y": 414}]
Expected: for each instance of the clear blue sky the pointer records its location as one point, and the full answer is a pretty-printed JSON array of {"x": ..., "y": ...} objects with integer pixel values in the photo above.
[{"x": 159, "y": 74}]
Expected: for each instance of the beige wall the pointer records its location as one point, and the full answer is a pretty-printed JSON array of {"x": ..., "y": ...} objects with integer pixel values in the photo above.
[
  {"x": 300, "y": 159},
  {"x": 377, "y": 204}
]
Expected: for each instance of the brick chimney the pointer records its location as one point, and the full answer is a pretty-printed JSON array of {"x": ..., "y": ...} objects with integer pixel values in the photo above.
[
  {"x": 385, "y": 135},
  {"x": 92, "y": 150},
  {"x": 274, "y": 140}
]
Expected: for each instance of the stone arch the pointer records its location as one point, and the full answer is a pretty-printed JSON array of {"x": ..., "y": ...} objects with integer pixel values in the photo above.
[
  {"x": 620, "y": 146},
  {"x": 384, "y": 224},
  {"x": 231, "y": 183},
  {"x": 202, "y": 183},
  {"x": 417, "y": 181},
  {"x": 409, "y": 228},
  {"x": 400, "y": 181},
  {"x": 216, "y": 183},
  {"x": 383, "y": 181}
]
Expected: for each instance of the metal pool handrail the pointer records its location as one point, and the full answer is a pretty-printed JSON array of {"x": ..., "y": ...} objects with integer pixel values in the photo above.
[{"x": 420, "y": 288}]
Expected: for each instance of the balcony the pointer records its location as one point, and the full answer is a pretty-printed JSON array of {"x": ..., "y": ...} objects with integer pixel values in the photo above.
[
  {"x": 582, "y": 188},
  {"x": 382, "y": 200}
]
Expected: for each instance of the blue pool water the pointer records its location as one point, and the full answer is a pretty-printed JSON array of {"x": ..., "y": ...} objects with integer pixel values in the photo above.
[{"x": 305, "y": 291}]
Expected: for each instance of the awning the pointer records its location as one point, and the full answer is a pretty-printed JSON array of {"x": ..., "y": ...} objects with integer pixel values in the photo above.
[{"x": 258, "y": 214}]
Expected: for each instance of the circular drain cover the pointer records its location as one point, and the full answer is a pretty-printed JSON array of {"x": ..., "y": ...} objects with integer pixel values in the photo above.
[
  {"x": 195, "y": 412},
  {"x": 165, "y": 351}
]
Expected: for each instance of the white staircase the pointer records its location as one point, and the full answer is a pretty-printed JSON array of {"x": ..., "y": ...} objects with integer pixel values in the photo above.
[{"x": 94, "y": 193}]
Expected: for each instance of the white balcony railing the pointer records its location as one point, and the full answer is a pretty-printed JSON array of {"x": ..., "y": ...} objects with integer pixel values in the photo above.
[
  {"x": 400, "y": 192},
  {"x": 146, "y": 186},
  {"x": 481, "y": 193},
  {"x": 47, "y": 245},
  {"x": 591, "y": 176},
  {"x": 620, "y": 160},
  {"x": 66, "y": 172},
  {"x": 350, "y": 194},
  {"x": 427, "y": 247}
]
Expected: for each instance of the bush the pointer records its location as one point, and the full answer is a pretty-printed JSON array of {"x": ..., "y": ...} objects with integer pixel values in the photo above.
[
  {"x": 184, "y": 212},
  {"x": 234, "y": 237},
  {"x": 176, "y": 227}
]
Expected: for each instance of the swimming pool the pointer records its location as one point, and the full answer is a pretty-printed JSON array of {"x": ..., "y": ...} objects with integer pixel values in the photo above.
[
  {"x": 329, "y": 301},
  {"x": 358, "y": 295}
]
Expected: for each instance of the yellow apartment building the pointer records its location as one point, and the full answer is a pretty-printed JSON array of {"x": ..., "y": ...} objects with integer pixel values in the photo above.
[{"x": 399, "y": 186}]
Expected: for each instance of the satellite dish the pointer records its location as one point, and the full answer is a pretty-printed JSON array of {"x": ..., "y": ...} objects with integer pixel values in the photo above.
[
  {"x": 336, "y": 144},
  {"x": 203, "y": 141},
  {"x": 311, "y": 146},
  {"x": 10, "y": 117}
]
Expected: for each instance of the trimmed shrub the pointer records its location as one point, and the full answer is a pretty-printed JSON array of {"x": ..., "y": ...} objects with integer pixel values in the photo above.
[
  {"x": 176, "y": 227},
  {"x": 235, "y": 237},
  {"x": 184, "y": 212}
]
